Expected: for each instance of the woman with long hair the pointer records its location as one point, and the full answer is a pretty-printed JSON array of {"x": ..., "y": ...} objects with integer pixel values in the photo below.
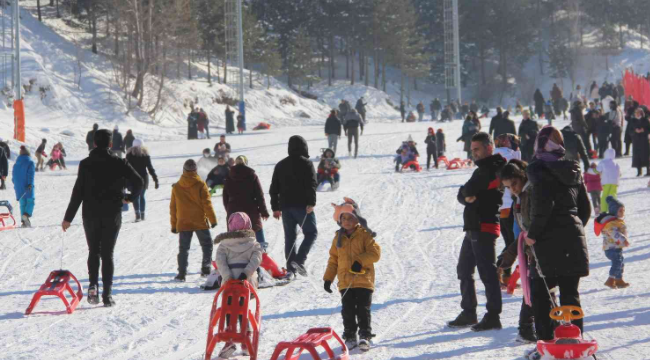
[{"x": 138, "y": 157}]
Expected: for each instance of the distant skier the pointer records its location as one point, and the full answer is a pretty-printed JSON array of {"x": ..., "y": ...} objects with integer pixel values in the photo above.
[
  {"x": 191, "y": 212},
  {"x": 100, "y": 187},
  {"x": 353, "y": 255},
  {"x": 23, "y": 180},
  {"x": 138, "y": 157}
]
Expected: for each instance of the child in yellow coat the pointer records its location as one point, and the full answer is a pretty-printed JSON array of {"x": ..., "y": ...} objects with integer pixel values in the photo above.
[{"x": 352, "y": 257}]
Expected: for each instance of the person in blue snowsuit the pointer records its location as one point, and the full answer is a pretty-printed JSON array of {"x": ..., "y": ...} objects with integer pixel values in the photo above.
[{"x": 23, "y": 179}]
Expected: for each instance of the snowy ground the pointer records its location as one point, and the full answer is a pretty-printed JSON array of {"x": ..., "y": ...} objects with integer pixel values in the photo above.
[{"x": 419, "y": 226}]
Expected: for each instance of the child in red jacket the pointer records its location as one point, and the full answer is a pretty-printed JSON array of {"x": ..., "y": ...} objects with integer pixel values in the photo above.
[{"x": 594, "y": 186}]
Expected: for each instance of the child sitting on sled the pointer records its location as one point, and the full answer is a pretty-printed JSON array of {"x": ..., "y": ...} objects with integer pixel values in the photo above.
[
  {"x": 238, "y": 257},
  {"x": 328, "y": 169},
  {"x": 217, "y": 176},
  {"x": 612, "y": 226},
  {"x": 406, "y": 153},
  {"x": 352, "y": 257}
]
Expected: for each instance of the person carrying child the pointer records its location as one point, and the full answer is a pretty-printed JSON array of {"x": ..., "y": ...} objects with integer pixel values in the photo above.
[
  {"x": 612, "y": 226},
  {"x": 328, "y": 169},
  {"x": 610, "y": 173},
  {"x": 217, "y": 176},
  {"x": 432, "y": 148},
  {"x": 594, "y": 186},
  {"x": 238, "y": 257},
  {"x": 352, "y": 257}
]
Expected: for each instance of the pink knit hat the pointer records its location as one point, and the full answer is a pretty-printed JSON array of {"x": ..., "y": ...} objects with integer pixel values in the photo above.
[{"x": 239, "y": 221}]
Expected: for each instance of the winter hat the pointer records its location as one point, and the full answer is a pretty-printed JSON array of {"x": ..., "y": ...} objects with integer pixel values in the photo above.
[
  {"x": 431, "y": 130},
  {"x": 137, "y": 143},
  {"x": 410, "y": 139},
  {"x": 239, "y": 221},
  {"x": 116, "y": 128},
  {"x": 24, "y": 150},
  {"x": 190, "y": 165},
  {"x": 243, "y": 159},
  {"x": 349, "y": 207},
  {"x": 613, "y": 205}
]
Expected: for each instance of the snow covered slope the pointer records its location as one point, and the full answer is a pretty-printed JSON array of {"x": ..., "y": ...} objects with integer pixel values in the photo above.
[{"x": 419, "y": 226}]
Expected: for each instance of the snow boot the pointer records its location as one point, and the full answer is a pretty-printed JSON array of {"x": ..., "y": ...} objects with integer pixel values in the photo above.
[
  {"x": 205, "y": 271},
  {"x": 228, "y": 350},
  {"x": 299, "y": 268},
  {"x": 180, "y": 277},
  {"x": 611, "y": 283},
  {"x": 532, "y": 355},
  {"x": 364, "y": 345},
  {"x": 526, "y": 334},
  {"x": 25, "y": 221},
  {"x": 93, "y": 295},
  {"x": 137, "y": 217},
  {"x": 489, "y": 322},
  {"x": 350, "y": 341},
  {"x": 108, "y": 301},
  {"x": 463, "y": 320},
  {"x": 142, "y": 216},
  {"x": 621, "y": 284}
]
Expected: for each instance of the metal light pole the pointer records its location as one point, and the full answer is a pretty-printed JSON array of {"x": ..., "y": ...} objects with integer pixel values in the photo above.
[
  {"x": 452, "y": 47},
  {"x": 18, "y": 91}
]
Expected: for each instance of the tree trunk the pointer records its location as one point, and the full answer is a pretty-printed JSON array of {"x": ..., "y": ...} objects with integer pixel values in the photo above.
[
  {"x": 162, "y": 80},
  {"x": 362, "y": 70},
  {"x": 38, "y": 9},
  {"x": 209, "y": 73},
  {"x": 93, "y": 26},
  {"x": 51, "y": 2},
  {"x": 189, "y": 64},
  {"x": 383, "y": 72},
  {"x": 330, "y": 76},
  {"x": 58, "y": 14},
  {"x": 225, "y": 72},
  {"x": 347, "y": 60},
  {"x": 250, "y": 77},
  {"x": 365, "y": 66},
  {"x": 352, "y": 67},
  {"x": 375, "y": 61}
]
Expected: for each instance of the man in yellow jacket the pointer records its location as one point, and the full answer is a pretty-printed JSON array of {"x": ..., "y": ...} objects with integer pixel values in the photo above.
[
  {"x": 191, "y": 212},
  {"x": 352, "y": 257}
]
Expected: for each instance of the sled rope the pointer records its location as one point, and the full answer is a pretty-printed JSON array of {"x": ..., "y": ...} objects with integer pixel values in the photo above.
[
  {"x": 296, "y": 241},
  {"x": 541, "y": 274},
  {"x": 329, "y": 319}
]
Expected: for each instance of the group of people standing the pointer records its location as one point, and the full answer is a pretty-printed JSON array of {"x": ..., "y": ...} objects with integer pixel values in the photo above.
[{"x": 351, "y": 120}]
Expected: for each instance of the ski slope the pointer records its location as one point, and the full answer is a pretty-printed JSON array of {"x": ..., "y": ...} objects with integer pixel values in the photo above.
[{"x": 419, "y": 227}]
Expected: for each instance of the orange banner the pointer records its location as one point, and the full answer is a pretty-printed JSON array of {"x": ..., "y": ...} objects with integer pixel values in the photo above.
[
  {"x": 19, "y": 120},
  {"x": 638, "y": 87}
]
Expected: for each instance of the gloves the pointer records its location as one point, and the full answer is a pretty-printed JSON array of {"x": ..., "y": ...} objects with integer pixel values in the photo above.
[
  {"x": 29, "y": 187},
  {"x": 328, "y": 286},
  {"x": 214, "y": 226},
  {"x": 157, "y": 185},
  {"x": 174, "y": 231},
  {"x": 243, "y": 277},
  {"x": 356, "y": 267}
]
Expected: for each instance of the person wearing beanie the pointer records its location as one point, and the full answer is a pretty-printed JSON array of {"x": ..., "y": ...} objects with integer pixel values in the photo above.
[
  {"x": 4, "y": 166},
  {"x": 293, "y": 198},
  {"x": 432, "y": 148},
  {"x": 138, "y": 156},
  {"x": 352, "y": 259},
  {"x": 100, "y": 187},
  {"x": 191, "y": 212},
  {"x": 23, "y": 179},
  {"x": 40, "y": 155},
  {"x": 238, "y": 257},
  {"x": 612, "y": 226}
]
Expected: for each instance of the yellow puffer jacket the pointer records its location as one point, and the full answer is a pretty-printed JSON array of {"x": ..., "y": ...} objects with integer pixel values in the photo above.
[
  {"x": 359, "y": 247},
  {"x": 191, "y": 205}
]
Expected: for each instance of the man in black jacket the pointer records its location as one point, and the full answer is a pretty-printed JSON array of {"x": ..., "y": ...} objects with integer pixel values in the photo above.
[
  {"x": 528, "y": 130},
  {"x": 575, "y": 147},
  {"x": 293, "y": 197},
  {"x": 501, "y": 124},
  {"x": 90, "y": 137},
  {"x": 99, "y": 186},
  {"x": 482, "y": 197},
  {"x": 333, "y": 130},
  {"x": 4, "y": 167},
  {"x": 118, "y": 143},
  {"x": 352, "y": 123}
]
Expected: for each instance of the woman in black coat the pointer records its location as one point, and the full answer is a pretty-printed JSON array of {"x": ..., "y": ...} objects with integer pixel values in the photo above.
[
  {"x": 230, "y": 120},
  {"x": 640, "y": 129},
  {"x": 138, "y": 157},
  {"x": 560, "y": 211},
  {"x": 539, "y": 103},
  {"x": 243, "y": 192}
]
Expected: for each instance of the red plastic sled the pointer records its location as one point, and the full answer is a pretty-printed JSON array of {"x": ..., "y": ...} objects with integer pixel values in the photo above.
[
  {"x": 269, "y": 265},
  {"x": 443, "y": 159},
  {"x": 58, "y": 284},
  {"x": 309, "y": 342},
  {"x": 235, "y": 296},
  {"x": 568, "y": 342},
  {"x": 413, "y": 163},
  {"x": 512, "y": 284},
  {"x": 5, "y": 223}
]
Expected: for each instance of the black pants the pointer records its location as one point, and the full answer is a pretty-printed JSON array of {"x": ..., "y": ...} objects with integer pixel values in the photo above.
[
  {"x": 185, "y": 239},
  {"x": 585, "y": 140},
  {"x": 432, "y": 154},
  {"x": 603, "y": 144},
  {"x": 616, "y": 140},
  {"x": 569, "y": 295},
  {"x": 101, "y": 236},
  {"x": 526, "y": 315},
  {"x": 478, "y": 251},
  {"x": 507, "y": 234},
  {"x": 353, "y": 133},
  {"x": 2, "y": 184},
  {"x": 356, "y": 312}
]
